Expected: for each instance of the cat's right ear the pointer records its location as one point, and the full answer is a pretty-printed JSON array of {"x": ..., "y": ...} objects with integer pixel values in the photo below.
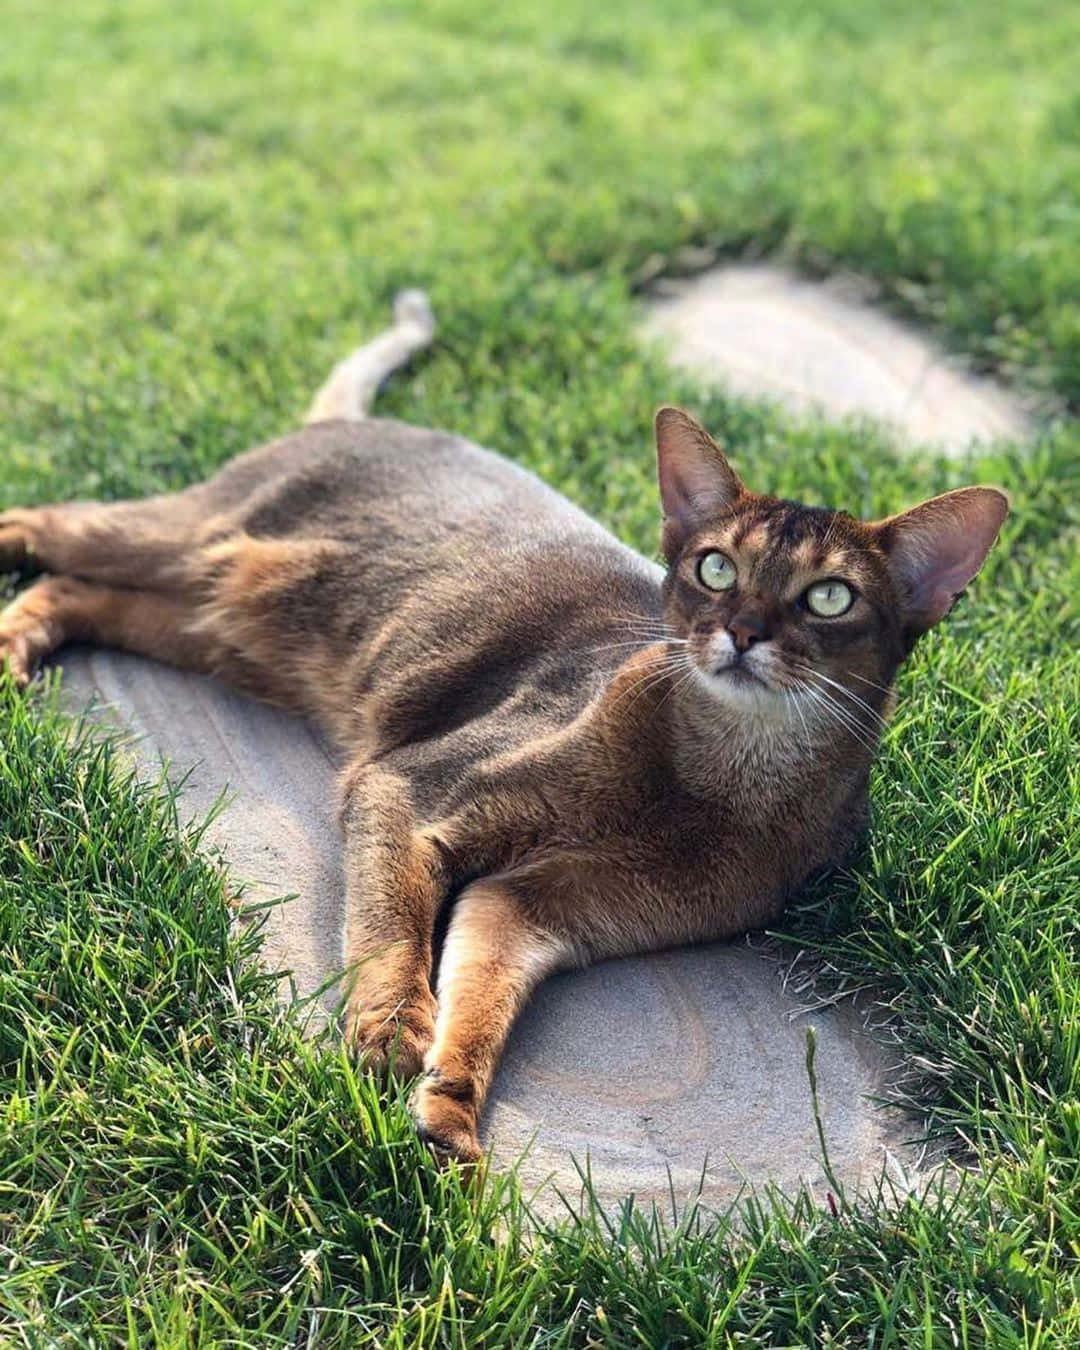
[{"x": 696, "y": 481}]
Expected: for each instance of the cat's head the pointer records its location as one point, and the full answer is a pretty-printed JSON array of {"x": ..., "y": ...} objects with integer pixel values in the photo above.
[{"x": 776, "y": 602}]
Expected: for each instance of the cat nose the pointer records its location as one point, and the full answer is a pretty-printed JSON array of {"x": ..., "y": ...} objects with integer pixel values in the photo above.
[{"x": 746, "y": 628}]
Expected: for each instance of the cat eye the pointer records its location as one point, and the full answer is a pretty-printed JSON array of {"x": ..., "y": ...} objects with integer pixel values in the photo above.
[
  {"x": 716, "y": 571},
  {"x": 829, "y": 598}
]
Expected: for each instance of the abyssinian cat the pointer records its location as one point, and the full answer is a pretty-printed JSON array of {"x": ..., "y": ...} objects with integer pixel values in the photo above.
[{"x": 586, "y": 754}]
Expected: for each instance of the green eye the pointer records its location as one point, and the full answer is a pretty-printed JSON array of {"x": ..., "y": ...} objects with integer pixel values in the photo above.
[
  {"x": 829, "y": 598},
  {"x": 717, "y": 571}
]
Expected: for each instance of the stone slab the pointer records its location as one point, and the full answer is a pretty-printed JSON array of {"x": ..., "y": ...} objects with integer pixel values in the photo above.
[
  {"x": 664, "y": 1072},
  {"x": 761, "y": 330}
]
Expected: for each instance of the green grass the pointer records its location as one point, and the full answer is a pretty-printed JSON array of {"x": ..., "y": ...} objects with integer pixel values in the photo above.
[{"x": 204, "y": 206}]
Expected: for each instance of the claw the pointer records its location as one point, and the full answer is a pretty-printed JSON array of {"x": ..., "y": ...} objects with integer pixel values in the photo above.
[
  {"x": 392, "y": 1041},
  {"x": 445, "y": 1119},
  {"x": 17, "y": 655}
]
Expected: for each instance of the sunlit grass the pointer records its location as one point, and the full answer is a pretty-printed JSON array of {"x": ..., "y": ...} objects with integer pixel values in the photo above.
[{"x": 204, "y": 206}]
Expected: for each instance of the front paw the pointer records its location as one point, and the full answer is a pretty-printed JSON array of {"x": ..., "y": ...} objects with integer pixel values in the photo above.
[
  {"x": 444, "y": 1109},
  {"x": 392, "y": 1037}
]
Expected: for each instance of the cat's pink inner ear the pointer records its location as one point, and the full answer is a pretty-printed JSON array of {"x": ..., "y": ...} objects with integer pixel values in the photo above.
[
  {"x": 936, "y": 548},
  {"x": 696, "y": 481}
]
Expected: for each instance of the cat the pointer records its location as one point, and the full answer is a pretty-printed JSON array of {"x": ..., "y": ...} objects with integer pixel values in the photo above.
[{"x": 572, "y": 752}]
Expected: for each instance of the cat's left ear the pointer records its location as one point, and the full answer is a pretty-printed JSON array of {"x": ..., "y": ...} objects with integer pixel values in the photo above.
[
  {"x": 696, "y": 481},
  {"x": 936, "y": 548}
]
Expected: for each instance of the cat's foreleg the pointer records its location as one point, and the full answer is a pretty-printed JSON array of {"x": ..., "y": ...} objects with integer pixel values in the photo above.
[
  {"x": 395, "y": 878},
  {"x": 141, "y": 544},
  {"x": 494, "y": 956}
]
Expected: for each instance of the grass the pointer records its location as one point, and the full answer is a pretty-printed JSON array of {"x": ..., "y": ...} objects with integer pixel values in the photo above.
[{"x": 204, "y": 206}]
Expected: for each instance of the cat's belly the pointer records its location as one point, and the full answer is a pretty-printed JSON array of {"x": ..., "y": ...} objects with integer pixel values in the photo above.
[{"x": 405, "y": 583}]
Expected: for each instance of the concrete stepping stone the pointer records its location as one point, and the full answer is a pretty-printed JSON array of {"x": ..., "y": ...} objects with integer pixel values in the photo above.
[
  {"x": 687, "y": 1062},
  {"x": 761, "y": 330}
]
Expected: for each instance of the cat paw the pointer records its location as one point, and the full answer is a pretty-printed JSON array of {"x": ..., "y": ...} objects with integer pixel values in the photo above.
[
  {"x": 21, "y": 648},
  {"x": 392, "y": 1039},
  {"x": 22, "y": 530},
  {"x": 444, "y": 1112}
]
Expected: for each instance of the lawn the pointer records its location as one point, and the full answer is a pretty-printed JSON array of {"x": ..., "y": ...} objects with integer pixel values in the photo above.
[{"x": 203, "y": 207}]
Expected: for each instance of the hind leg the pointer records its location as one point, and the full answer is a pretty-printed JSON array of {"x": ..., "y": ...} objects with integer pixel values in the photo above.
[
  {"x": 146, "y": 543},
  {"x": 141, "y": 544},
  {"x": 56, "y": 610}
]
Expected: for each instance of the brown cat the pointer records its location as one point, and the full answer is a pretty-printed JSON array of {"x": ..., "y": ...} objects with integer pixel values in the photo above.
[{"x": 588, "y": 756}]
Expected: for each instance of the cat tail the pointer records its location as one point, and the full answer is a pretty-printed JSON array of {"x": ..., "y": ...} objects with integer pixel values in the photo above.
[{"x": 354, "y": 382}]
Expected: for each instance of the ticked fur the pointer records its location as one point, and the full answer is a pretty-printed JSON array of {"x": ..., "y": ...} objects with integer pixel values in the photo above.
[{"x": 581, "y": 754}]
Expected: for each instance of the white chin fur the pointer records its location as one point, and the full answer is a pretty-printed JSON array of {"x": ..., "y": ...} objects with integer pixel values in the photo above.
[{"x": 735, "y": 687}]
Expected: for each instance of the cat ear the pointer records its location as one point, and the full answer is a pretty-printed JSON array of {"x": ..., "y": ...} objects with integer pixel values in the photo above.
[
  {"x": 696, "y": 481},
  {"x": 935, "y": 549}
]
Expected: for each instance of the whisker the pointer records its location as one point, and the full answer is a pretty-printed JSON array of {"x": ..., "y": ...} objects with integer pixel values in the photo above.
[
  {"x": 641, "y": 642},
  {"x": 846, "y": 713},
  {"x": 876, "y": 721},
  {"x": 861, "y": 702},
  {"x": 791, "y": 699},
  {"x": 843, "y": 689},
  {"x": 839, "y": 714},
  {"x": 640, "y": 620},
  {"x": 651, "y": 676},
  {"x": 680, "y": 683},
  {"x": 643, "y": 687},
  {"x": 830, "y": 714},
  {"x": 650, "y": 638},
  {"x": 638, "y": 644},
  {"x": 872, "y": 683},
  {"x": 640, "y": 635},
  {"x": 842, "y": 719},
  {"x": 828, "y": 533}
]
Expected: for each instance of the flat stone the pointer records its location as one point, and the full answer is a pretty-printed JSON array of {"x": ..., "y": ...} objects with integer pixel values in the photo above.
[
  {"x": 277, "y": 829},
  {"x": 761, "y": 330},
  {"x": 661, "y": 1073}
]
